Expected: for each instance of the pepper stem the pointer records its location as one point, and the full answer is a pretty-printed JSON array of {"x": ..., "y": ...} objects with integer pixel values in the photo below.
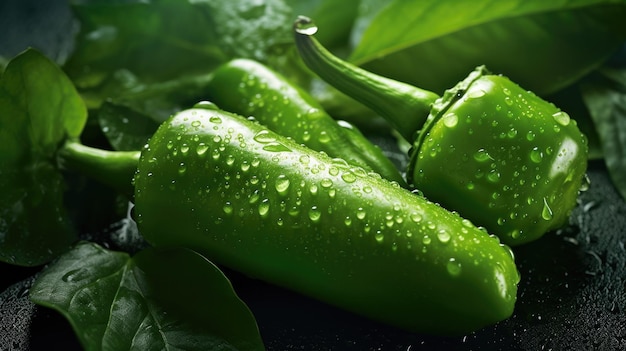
[
  {"x": 113, "y": 168},
  {"x": 404, "y": 106}
]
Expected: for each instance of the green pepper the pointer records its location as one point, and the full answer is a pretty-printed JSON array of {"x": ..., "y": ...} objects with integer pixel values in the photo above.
[
  {"x": 264, "y": 205},
  {"x": 249, "y": 88},
  {"x": 499, "y": 155}
]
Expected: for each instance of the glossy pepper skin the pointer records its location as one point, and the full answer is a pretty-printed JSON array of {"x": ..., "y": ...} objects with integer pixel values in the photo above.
[
  {"x": 497, "y": 154},
  {"x": 248, "y": 88},
  {"x": 526, "y": 170},
  {"x": 259, "y": 203}
]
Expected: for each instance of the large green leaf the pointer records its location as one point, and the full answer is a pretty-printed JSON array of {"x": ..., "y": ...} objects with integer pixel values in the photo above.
[
  {"x": 39, "y": 108},
  {"x": 156, "y": 40},
  {"x": 160, "y": 299},
  {"x": 542, "y": 45},
  {"x": 605, "y": 96},
  {"x": 161, "y": 40}
]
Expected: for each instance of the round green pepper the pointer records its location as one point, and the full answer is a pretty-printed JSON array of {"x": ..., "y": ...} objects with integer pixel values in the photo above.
[
  {"x": 498, "y": 154},
  {"x": 248, "y": 88},
  {"x": 517, "y": 165},
  {"x": 273, "y": 209}
]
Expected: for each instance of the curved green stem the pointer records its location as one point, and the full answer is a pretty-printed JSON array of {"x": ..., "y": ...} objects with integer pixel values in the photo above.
[
  {"x": 404, "y": 106},
  {"x": 113, "y": 168}
]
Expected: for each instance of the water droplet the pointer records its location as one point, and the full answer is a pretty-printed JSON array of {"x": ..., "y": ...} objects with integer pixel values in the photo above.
[
  {"x": 315, "y": 214},
  {"x": 546, "y": 212},
  {"x": 184, "y": 149},
  {"x": 515, "y": 234},
  {"x": 230, "y": 159},
  {"x": 313, "y": 189},
  {"x": 326, "y": 183},
  {"x": 512, "y": 133},
  {"x": 264, "y": 208},
  {"x": 416, "y": 217},
  {"x": 276, "y": 147},
  {"x": 453, "y": 267},
  {"x": 347, "y": 221},
  {"x": 206, "y": 105},
  {"x": 305, "y": 159},
  {"x": 196, "y": 124},
  {"x": 493, "y": 176},
  {"x": 443, "y": 236},
  {"x": 508, "y": 101},
  {"x": 201, "y": 149},
  {"x": 530, "y": 136},
  {"x": 450, "y": 120},
  {"x": 348, "y": 177},
  {"x": 305, "y": 25},
  {"x": 360, "y": 213},
  {"x": 379, "y": 236},
  {"x": 475, "y": 93},
  {"x": 561, "y": 118},
  {"x": 245, "y": 166},
  {"x": 426, "y": 240},
  {"x": 324, "y": 137},
  {"x": 215, "y": 154},
  {"x": 264, "y": 137},
  {"x": 75, "y": 275},
  {"x": 482, "y": 156},
  {"x": 228, "y": 208},
  {"x": 282, "y": 184},
  {"x": 215, "y": 120},
  {"x": 536, "y": 155}
]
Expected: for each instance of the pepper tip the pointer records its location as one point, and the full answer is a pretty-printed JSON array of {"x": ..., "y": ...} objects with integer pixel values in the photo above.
[{"x": 304, "y": 25}]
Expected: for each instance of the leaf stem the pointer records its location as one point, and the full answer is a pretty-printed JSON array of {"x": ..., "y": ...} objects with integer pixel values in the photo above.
[
  {"x": 113, "y": 168},
  {"x": 404, "y": 106}
]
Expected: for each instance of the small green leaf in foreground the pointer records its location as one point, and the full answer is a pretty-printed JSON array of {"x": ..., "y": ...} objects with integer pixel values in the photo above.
[
  {"x": 605, "y": 98},
  {"x": 39, "y": 109},
  {"x": 159, "y": 299}
]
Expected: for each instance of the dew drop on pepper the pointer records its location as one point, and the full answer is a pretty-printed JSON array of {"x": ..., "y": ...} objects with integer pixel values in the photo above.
[
  {"x": 450, "y": 120},
  {"x": 282, "y": 184},
  {"x": 315, "y": 214},
  {"x": 443, "y": 236},
  {"x": 264, "y": 208},
  {"x": 453, "y": 267},
  {"x": 561, "y": 118},
  {"x": 536, "y": 155}
]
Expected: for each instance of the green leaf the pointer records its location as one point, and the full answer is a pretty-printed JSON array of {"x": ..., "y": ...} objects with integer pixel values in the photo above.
[
  {"x": 39, "y": 109},
  {"x": 605, "y": 97},
  {"x": 164, "y": 40},
  {"x": 125, "y": 128},
  {"x": 129, "y": 119},
  {"x": 367, "y": 11},
  {"x": 156, "y": 40},
  {"x": 542, "y": 45},
  {"x": 159, "y": 299}
]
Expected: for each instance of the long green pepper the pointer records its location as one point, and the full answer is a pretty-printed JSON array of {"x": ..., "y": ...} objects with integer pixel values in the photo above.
[
  {"x": 249, "y": 88},
  {"x": 262, "y": 204},
  {"x": 496, "y": 153}
]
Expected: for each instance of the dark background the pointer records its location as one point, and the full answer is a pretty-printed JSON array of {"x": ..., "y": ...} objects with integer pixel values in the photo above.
[{"x": 571, "y": 297}]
